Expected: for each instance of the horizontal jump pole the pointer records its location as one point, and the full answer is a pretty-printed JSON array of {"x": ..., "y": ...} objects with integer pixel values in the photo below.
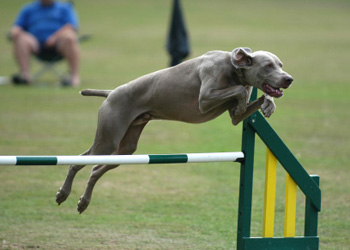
[{"x": 122, "y": 159}]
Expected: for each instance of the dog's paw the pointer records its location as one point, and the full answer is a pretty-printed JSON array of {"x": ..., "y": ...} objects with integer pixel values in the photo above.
[
  {"x": 268, "y": 107},
  {"x": 61, "y": 196},
  {"x": 83, "y": 204}
]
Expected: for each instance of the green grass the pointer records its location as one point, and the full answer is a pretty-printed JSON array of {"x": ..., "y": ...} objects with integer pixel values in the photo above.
[{"x": 183, "y": 206}]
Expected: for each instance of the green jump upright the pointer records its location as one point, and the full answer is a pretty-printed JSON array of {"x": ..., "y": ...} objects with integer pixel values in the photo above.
[{"x": 309, "y": 185}]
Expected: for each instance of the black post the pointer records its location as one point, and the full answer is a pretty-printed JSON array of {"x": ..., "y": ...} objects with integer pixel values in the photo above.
[{"x": 177, "y": 43}]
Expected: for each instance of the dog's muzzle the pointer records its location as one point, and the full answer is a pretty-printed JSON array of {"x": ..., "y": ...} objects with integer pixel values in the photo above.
[{"x": 277, "y": 92}]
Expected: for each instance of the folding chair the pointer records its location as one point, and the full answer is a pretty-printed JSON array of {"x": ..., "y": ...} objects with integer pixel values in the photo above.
[{"x": 49, "y": 64}]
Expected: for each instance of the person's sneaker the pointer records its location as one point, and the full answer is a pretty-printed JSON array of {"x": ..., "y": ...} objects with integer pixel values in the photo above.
[
  {"x": 66, "y": 82},
  {"x": 69, "y": 82},
  {"x": 19, "y": 80}
]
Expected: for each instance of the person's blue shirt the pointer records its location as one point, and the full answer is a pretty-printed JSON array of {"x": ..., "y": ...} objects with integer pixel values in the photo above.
[{"x": 42, "y": 21}]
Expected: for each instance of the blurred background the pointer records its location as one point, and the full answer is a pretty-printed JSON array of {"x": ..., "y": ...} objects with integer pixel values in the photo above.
[{"x": 176, "y": 207}]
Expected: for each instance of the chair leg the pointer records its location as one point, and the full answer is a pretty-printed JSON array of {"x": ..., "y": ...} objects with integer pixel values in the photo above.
[{"x": 48, "y": 67}]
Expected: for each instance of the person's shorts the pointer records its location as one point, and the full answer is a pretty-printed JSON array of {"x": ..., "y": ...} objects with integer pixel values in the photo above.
[{"x": 48, "y": 54}]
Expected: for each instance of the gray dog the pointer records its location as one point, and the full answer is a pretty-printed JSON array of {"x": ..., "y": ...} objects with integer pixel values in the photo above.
[{"x": 195, "y": 91}]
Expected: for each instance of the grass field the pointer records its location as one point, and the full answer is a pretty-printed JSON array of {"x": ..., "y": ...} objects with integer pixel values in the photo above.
[{"x": 183, "y": 206}]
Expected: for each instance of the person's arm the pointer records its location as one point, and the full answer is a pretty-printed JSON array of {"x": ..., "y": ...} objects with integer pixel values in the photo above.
[
  {"x": 71, "y": 22},
  {"x": 52, "y": 40},
  {"x": 20, "y": 23}
]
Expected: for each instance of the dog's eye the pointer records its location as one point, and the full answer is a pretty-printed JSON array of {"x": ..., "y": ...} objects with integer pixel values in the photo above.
[{"x": 270, "y": 66}]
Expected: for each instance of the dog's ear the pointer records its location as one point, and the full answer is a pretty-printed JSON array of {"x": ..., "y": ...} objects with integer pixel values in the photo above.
[{"x": 241, "y": 58}]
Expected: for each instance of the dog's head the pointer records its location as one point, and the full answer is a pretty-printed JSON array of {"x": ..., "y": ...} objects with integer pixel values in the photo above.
[{"x": 262, "y": 69}]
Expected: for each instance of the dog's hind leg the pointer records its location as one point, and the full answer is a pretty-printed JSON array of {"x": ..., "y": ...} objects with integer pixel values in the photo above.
[
  {"x": 128, "y": 145},
  {"x": 66, "y": 188},
  {"x": 107, "y": 139},
  {"x": 103, "y": 145}
]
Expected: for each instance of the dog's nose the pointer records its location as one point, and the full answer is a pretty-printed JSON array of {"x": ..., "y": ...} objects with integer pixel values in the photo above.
[{"x": 288, "y": 80}]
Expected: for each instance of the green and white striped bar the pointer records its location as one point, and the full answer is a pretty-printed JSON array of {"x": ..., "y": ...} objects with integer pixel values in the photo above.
[{"x": 122, "y": 159}]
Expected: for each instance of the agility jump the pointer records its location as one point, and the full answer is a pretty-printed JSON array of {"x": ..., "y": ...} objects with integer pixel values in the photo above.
[{"x": 276, "y": 151}]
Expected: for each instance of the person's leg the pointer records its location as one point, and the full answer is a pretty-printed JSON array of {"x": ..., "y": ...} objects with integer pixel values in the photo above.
[
  {"x": 25, "y": 44},
  {"x": 67, "y": 45}
]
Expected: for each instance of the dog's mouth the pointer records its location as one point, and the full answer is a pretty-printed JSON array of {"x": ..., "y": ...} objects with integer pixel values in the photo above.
[{"x": 271, "y": 91}]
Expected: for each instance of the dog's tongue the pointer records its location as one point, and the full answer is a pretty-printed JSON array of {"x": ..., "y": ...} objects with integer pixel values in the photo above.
[{"x": 272, "y": 91}]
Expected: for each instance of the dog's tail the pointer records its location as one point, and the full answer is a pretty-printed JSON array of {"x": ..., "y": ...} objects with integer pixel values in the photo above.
[{"x": 95, "y": 92}]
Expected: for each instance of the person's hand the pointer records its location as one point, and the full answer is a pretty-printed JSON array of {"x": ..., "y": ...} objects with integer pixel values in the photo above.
[
  {"x": 15, "y": 32},
  {"x": 51, "y": 41}
]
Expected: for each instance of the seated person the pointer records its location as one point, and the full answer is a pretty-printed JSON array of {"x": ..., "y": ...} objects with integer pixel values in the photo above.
[{"x": 46, "y": 28}]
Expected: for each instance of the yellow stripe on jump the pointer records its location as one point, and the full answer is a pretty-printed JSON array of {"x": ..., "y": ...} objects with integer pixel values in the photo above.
[
  {"x": 290, "y": 207},
  {"x": 270, "y": 194}
]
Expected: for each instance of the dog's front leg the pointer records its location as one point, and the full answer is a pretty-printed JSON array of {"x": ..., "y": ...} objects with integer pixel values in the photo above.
[
  {"x": 251, "y": 109},
  {"x": 210, "y": 99}
]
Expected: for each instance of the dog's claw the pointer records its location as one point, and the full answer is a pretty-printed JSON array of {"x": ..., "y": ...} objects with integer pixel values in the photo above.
[{"x": 82, "y": 204}]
